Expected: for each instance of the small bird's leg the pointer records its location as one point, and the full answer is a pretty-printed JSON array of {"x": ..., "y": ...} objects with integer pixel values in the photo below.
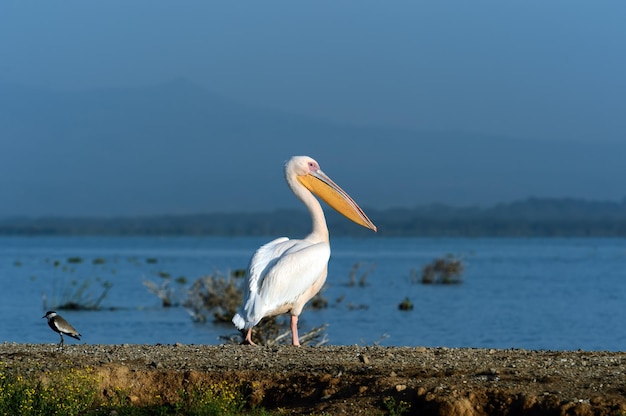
[
  {"x": 294, "y": 330},
  {"x": 61, "y": 343},
  {"x": 248, "y": 338}
]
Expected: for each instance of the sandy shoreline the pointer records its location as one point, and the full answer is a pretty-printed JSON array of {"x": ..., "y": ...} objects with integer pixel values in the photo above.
[{"x": 351, "y": 379}]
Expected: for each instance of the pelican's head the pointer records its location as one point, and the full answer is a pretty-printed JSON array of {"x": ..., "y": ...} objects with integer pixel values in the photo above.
[{"x": 309, "y": 174}]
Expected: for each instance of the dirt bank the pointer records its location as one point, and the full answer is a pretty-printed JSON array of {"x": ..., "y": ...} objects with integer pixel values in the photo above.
[{"x": 354, "y": 380}]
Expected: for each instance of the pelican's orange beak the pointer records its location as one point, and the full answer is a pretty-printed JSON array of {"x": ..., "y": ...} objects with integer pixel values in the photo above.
[{"x": 322, "y": 186}]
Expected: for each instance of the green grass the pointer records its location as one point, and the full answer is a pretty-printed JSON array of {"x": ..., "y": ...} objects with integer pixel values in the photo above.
[
  {"x": 71, "y": 392},
  {"x": 76, "y": 392}
]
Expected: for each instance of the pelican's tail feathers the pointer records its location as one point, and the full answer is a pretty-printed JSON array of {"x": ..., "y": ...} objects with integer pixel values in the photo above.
[
  {"x": 251, "y": 313},
  {"x": 239, "y": 322}
]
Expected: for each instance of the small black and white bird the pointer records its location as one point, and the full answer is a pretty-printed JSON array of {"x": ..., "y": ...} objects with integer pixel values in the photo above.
[{"x": 61, "y": 326}]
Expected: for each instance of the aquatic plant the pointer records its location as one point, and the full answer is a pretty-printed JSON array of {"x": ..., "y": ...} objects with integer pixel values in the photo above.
[
  {"x": 77, "y": 293},
  {"x": 442, "y": 270},
  {"x": 378, "y": 341},
  {"x": 170, "y": 296},
  {"x": 75, "y": 260},
  {"x": 77, "y": 296},
  {"x": 218, "y": 295},
  {"x": 163, "y": 291},
  {"x": 362, "y": 279},
  {"x": 406, "y": 305},
  {"x": 216, "y": 298}
]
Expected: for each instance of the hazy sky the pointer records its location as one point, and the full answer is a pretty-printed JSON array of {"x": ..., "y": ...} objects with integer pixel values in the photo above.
[
  {"x": 529, "y": 69},
  {"x": 532, "y": 71}
]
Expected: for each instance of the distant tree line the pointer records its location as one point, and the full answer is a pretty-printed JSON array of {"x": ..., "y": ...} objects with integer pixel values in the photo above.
[{"x": 534, "y": 217}]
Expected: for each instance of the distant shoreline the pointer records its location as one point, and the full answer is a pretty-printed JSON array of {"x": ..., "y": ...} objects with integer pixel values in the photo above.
[{"x": 534, "y": 217}]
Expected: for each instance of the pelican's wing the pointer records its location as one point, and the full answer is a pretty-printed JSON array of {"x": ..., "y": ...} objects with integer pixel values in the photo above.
[
  {"x": 294, "y": 273},
  {"x": 266, "y": 254},
  {"x": 279, "y": 272}
]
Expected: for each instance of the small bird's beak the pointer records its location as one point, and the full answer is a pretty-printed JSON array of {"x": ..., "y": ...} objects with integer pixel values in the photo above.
[{"x": 322, "y": 186}]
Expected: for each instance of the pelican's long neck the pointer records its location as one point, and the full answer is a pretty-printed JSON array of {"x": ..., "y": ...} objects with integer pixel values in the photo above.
[{"x": 320, "y": 229}]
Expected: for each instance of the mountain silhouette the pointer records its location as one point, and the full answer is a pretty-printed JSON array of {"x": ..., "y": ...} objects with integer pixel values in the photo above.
[{"x": 177, "y": 148}]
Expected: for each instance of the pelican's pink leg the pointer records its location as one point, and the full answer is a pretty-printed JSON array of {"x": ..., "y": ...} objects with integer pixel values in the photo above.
[
  {"x": 248, "y": 338},
  {"x": 294, "y": 331}
]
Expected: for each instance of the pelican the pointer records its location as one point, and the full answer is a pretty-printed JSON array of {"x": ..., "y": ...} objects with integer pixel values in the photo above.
[{"x": 283, "y": 275}]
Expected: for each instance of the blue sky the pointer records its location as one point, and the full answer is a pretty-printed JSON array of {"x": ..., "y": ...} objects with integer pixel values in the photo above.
[{"x": 528, "y": 70}]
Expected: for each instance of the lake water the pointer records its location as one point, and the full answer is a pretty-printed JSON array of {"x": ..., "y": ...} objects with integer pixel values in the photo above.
[{"x": 557, "y": 294}]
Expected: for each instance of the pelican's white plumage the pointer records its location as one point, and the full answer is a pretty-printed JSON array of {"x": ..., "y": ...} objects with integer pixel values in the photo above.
[{"x": 284, "y": 274}]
